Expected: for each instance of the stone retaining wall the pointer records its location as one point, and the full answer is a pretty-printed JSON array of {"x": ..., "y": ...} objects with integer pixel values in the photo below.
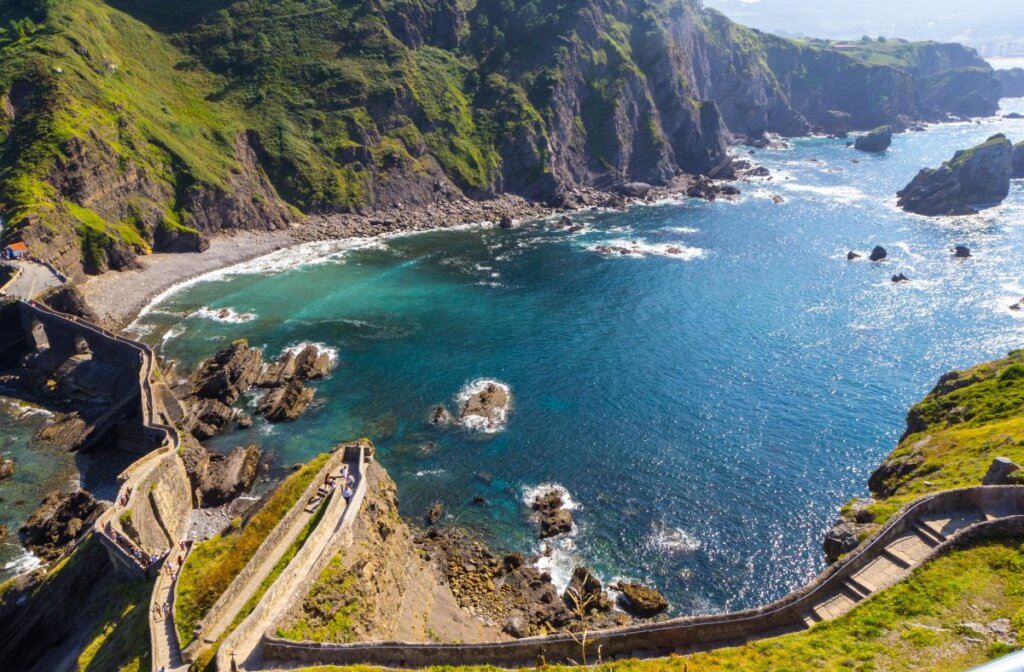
[
  {"x": 782, "y": 615},
  {"x": 213, "y": 624}
]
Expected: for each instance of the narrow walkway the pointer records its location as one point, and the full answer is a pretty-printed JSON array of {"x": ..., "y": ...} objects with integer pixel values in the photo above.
[
  {"x": 277, "y": 543},
  {"x": 243, "y": 648},
  {"x": 163, "y": 637}
]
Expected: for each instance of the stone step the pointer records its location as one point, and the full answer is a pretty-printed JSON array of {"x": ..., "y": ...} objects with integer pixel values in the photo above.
[
  {"x": 811, "y": 619},
  {"x": 897, "y": 557},
  {"x": 852, "y": 591},
  {"x": 863, "y": 586},
  {"x": 927, "y": 534}
]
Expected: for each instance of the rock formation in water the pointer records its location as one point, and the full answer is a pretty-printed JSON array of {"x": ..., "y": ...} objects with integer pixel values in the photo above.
[
  {"x": 551, "y": 513},
  {"x": 973, "y": 179},
  {"x": 640, "y": 600},
  {"x": 875, "y": 141},
  {"x": 1017, "y": 160},
  {"x": 58, "y": 522}
]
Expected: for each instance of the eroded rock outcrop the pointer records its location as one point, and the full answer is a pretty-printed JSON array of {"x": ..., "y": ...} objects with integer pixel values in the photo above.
[
  {"x": 973, "y": 179},
  {"x": 58, "y": 522},
  {"x": 875, "y": 141},
  {"x": 554, "y": 519},
  {"x": 285, "y": 403},
  {"x": 228, "y": 476},
  {"x": 640, "y": 600}
]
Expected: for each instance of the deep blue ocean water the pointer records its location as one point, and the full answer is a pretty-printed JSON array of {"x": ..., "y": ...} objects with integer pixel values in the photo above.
[{"x": 707, "y": 411}]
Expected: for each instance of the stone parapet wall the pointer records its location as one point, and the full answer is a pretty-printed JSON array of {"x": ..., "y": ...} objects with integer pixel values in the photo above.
[{"x": 785, "y": 614}]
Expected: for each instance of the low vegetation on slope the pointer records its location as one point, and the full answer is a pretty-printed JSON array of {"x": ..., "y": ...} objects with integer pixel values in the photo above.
[
  {"x": 213, "y": 564},
  {"x": 956, "y": 612},
  {"x": 954, "y": 434}
]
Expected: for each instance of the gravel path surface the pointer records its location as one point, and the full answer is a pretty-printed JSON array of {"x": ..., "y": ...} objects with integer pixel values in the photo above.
[{"x": 118, "y": 297}]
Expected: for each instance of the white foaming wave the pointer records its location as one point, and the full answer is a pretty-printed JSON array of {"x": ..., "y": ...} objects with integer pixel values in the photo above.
[
  {"x": 321, "y": 349},
  {"x": 674, "y": 539},
  {"x": 225, "y": 315},
  {"x": 558, "y": 557},
  {"x": 172, "y": 333},
  {"x": 844, "y": 195},
  {"x": 26, "y": 562},
  {"x": 641, "y": 248},
  {"x": 531, "y": 494},
  {"x": 905, "y": 248},
  {"x": 22, "y": 410},
  {"x": 682, "y": 229},
  {"x": 429, "y": 472},
  {"x": 1014, "y": 296},
  {"x": 499, "y": 416}
]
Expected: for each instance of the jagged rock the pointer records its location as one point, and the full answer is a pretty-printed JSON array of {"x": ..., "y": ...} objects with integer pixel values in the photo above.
[
  {"x": 440, "y": 416},
  {"x": 585, "y": 592},
  {"x": 228, "y": 374},
  {"x": 491, "y": 403},
  {"x": 565, "y": 222},
  {"x": 884, "y": 480},
  {"x": 434, "y": 513},
  {"x": 851, "y": 255},
  {"x": 244, "y": 421},
  {"x": 208, "y": 417},
  {"x": 516, "y": 626},
  {"x": 1017, "y": 161},
  {"x": 287, "y": 403},
  {"x": 843, "y": 538},
  {"x": 900, "y": 277},
  {"x": 875, "y": 141},
  {"x": 58, "y": 522},
  {"x": 878, "y": 253},
  {"x": 634, "y": 189},
  {"x": 479, "y": 500},
  {"x": 973, "y": 179},
  {"x": 1000, "y": 472},
  {"x": 70, "y": 300},
  {"x": 228, "y": 476},
  {"x": 65, "y": 430},
  {"x": 6, "y": 468},
  {"x": 553, "y": 518},
  {"x": 506, "y": 222},
  {"x": 312, "y": 363},
  {"x": 640, "y": 600},
  {"x": 961, "y": 252}
]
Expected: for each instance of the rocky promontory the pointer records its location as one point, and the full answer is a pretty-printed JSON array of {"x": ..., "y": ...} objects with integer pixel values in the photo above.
[{"x": 973, "y": 179}]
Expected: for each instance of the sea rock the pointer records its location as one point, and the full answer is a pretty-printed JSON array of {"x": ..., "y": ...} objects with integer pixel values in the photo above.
[
  {"x": 640, "y": 600},
  {"x": 634, "y": 189},
  {"x": 228, "y": 476},
  {"x": 228, "y": 374},
  {"x": 434, "y": 513},
  {"x": 851, "y": 255},
  {"x": 875, "y": 141},
  {"x": 565, "y": 222},
  {"x": 1017, "y": 161},
  {"x": 506, "y": 222},
  {"x": 1000, "y": 472},
  {"x": 6, "y": 468},
  {"x": 58, "y": 522},
  {"x": 287, "y": 403},
  {"x": 490, "y": 403},
  {"x": 778, "y": 200},
  {"x": 553, "y": 517},
  {"x": 961, "y": 252},
  {"x": 440, "y": 416},
  {"x": 973, "y": 179},
  {"x": 65, "y": 430},
  {"x": 207, "y": 417},
  {"x": 878, "y": 253},
  {"x": 900, "y": 277},
  {"x": 312, "y": 363},
  {"x": 585, "y": 593}
]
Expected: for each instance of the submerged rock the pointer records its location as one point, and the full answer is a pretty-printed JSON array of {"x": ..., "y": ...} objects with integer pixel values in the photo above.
[
  {"x": 878, "y": 253},
  {"x": 851, "y": 255},
  {"x": 640, "y": 600},
  {"x": 961, "y": 252},
  {"x": 440, "y": 416},
  {"x": 900, "y": 277},
  {"x": 875, "y": 141},
  {"x": 973, "y": 179}
]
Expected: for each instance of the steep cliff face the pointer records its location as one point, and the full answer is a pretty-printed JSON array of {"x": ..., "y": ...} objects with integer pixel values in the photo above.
[{"x": 149, "y": 125}]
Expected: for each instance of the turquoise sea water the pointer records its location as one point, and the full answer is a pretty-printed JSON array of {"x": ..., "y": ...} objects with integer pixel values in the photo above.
[{"x": 707, "y": 409}]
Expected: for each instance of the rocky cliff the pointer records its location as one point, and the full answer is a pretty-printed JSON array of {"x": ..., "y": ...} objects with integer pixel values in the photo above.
[
  {"x": 148, "y": 125},
  {"x": 973, "y": 179}
]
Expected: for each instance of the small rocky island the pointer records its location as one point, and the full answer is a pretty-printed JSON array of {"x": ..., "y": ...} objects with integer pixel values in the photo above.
[
  {"x": 972, "y": 180},
  {"x": 875, "y": 141}
]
